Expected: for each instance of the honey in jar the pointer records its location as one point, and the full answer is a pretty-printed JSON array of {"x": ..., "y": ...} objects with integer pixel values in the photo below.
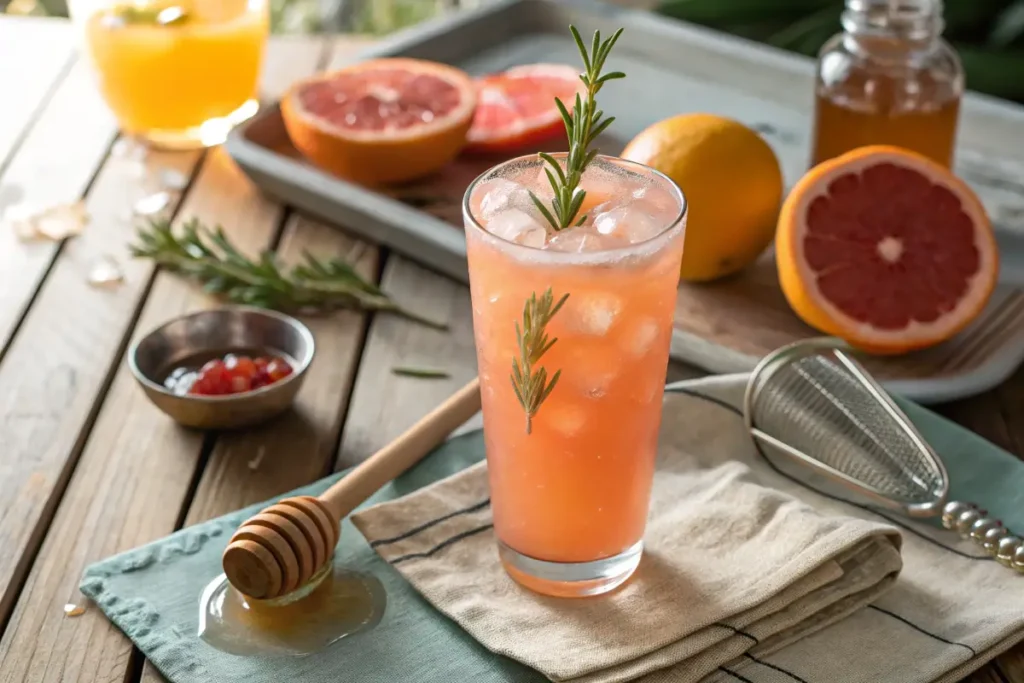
[{"x": 888, "y": 79}]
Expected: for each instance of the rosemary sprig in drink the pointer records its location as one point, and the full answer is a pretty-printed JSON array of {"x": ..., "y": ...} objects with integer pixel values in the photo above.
[
  {"x": 582, "y": 127},
  {"x": 207, "y": 256},
  {"x": 532, "y": 386}
]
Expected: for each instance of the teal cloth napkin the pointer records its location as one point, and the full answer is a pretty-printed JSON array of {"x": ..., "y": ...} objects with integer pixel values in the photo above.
[{"x": 151, "y": 593}]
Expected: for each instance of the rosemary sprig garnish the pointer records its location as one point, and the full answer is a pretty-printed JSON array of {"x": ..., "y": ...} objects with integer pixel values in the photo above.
[
  {"x": 582, "y": 127},
  {"x": 532, "y": 386},
  {"x": 207, "y": 256}
]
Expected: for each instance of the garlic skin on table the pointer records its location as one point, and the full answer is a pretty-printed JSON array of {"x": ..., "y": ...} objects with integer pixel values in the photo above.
[{"x": 54, "y": 223}]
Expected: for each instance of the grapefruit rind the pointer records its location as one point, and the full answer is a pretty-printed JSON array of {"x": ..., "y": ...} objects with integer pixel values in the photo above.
[
  {"x": 799, "y": 281},
  {"x": 377, "y": 158}
]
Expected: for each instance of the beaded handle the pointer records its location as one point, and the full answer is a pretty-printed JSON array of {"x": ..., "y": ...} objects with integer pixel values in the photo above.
[{"x": 971, "y": 522}]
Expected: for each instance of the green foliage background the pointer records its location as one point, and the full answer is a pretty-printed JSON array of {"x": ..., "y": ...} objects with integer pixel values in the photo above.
[{"x": 988, "y": 34}]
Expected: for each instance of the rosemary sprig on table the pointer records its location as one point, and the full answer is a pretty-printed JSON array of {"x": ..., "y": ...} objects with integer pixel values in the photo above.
[
  {"x": 421, "y": 373},
  {"x": 582, "y": 127},
  {"x": 207, "y": 256},
  {"x": 532, "y": 386}
]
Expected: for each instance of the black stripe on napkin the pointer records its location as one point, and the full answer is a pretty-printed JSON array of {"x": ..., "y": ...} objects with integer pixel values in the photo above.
[
  {"x": 738, "y": 632},
  {"x": 735, "y": 675},
  {"x": 426, "y": 525},
  {"x": 774, "y": 667},
  {"x": 918, "y": 628},
  {"x": 442, "y": 545}
]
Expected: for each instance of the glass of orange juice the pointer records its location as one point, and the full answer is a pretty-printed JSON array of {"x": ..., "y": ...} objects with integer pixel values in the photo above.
[
  {"x": 570, "y": 484},
  {"x": 176, "y": 73}
]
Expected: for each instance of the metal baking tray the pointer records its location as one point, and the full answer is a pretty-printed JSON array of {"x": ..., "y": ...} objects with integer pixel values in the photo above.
[{"x": 672, "y": 68}]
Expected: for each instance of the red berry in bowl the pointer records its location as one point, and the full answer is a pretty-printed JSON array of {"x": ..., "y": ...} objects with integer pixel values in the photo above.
[
  {"x": 233, "y": 374},
  {"x": 278, "y": 369},
  {"x": 242, "y": 366},
  {"x": 202, "y": 387},
  {"x": 213, "y": 380},
  {"x": 240, "y": 383},
  {"x": 212, "y": 365}
]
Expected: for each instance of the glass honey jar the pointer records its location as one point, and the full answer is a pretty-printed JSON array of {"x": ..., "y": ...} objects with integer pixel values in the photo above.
[{"x": 888, "y": 79}]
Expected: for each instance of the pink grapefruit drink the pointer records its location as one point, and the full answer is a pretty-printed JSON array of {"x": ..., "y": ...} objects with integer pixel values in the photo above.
[{"x": 570, "y": 496}]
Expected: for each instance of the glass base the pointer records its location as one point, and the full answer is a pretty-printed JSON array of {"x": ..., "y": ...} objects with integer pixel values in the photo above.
[
  {"x": 571, "y": 579},
  {"x": 208, "y": 134}
]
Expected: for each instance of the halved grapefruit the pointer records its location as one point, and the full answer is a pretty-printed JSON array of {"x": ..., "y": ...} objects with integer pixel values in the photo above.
[
  {"x": 517, "y": 109},
  {"x": 886, "y": 249},
  {"x": 381, "y": 121}
]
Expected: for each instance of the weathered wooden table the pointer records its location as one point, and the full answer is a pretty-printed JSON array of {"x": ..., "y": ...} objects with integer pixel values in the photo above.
[{"x": 88, "y": 467}]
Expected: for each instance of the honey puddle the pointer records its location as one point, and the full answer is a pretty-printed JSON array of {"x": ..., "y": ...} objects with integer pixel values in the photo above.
[{"x": 335, "y": 604}]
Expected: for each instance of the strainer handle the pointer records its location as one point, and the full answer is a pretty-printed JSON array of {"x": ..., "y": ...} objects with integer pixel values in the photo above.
[{"x": 971, "y": 522}]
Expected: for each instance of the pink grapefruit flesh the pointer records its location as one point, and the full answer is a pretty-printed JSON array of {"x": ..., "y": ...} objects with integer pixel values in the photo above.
[
  {"x": 886, "y": 249},
  {"x": 517, "y": 109},
  {"x": 384, "y": 121}
]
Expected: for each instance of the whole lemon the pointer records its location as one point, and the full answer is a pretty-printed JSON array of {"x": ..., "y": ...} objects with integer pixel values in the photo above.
[{"x": 733, "y": 186}]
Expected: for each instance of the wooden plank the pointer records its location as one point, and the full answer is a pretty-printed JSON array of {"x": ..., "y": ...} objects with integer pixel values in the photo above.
[
  {"x": 56, "y": 367},
  {"x": 384, "y": 404},
  {"x": 34, "y": 53},
  {"x": 54, "y": 165},
  {"x": 987, "y": 674},
  {"x": 134, "y": 454},
  {"x": 1011, "y": 399},
  {"x": 984, "y": 415},
  {"x": 1010, "y": 665}
]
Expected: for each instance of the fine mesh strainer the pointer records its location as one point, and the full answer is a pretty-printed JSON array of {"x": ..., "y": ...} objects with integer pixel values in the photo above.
[{"x": 813, "y": 403}]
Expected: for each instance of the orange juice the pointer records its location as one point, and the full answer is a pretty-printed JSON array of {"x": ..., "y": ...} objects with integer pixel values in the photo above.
[
  {"x": 570, "y": 496},
  {"x": 178, "y": 73}
]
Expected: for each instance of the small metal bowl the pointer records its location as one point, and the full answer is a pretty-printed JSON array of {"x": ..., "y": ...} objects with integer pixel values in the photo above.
[{"x": 201, "y": 336}]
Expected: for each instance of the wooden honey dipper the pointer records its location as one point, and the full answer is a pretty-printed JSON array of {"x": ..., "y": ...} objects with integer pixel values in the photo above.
[{"x": 276, "y": 551}]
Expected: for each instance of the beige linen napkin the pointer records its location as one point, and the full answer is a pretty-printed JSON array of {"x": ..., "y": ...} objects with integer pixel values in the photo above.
[{"x": 731, "y": 569}]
